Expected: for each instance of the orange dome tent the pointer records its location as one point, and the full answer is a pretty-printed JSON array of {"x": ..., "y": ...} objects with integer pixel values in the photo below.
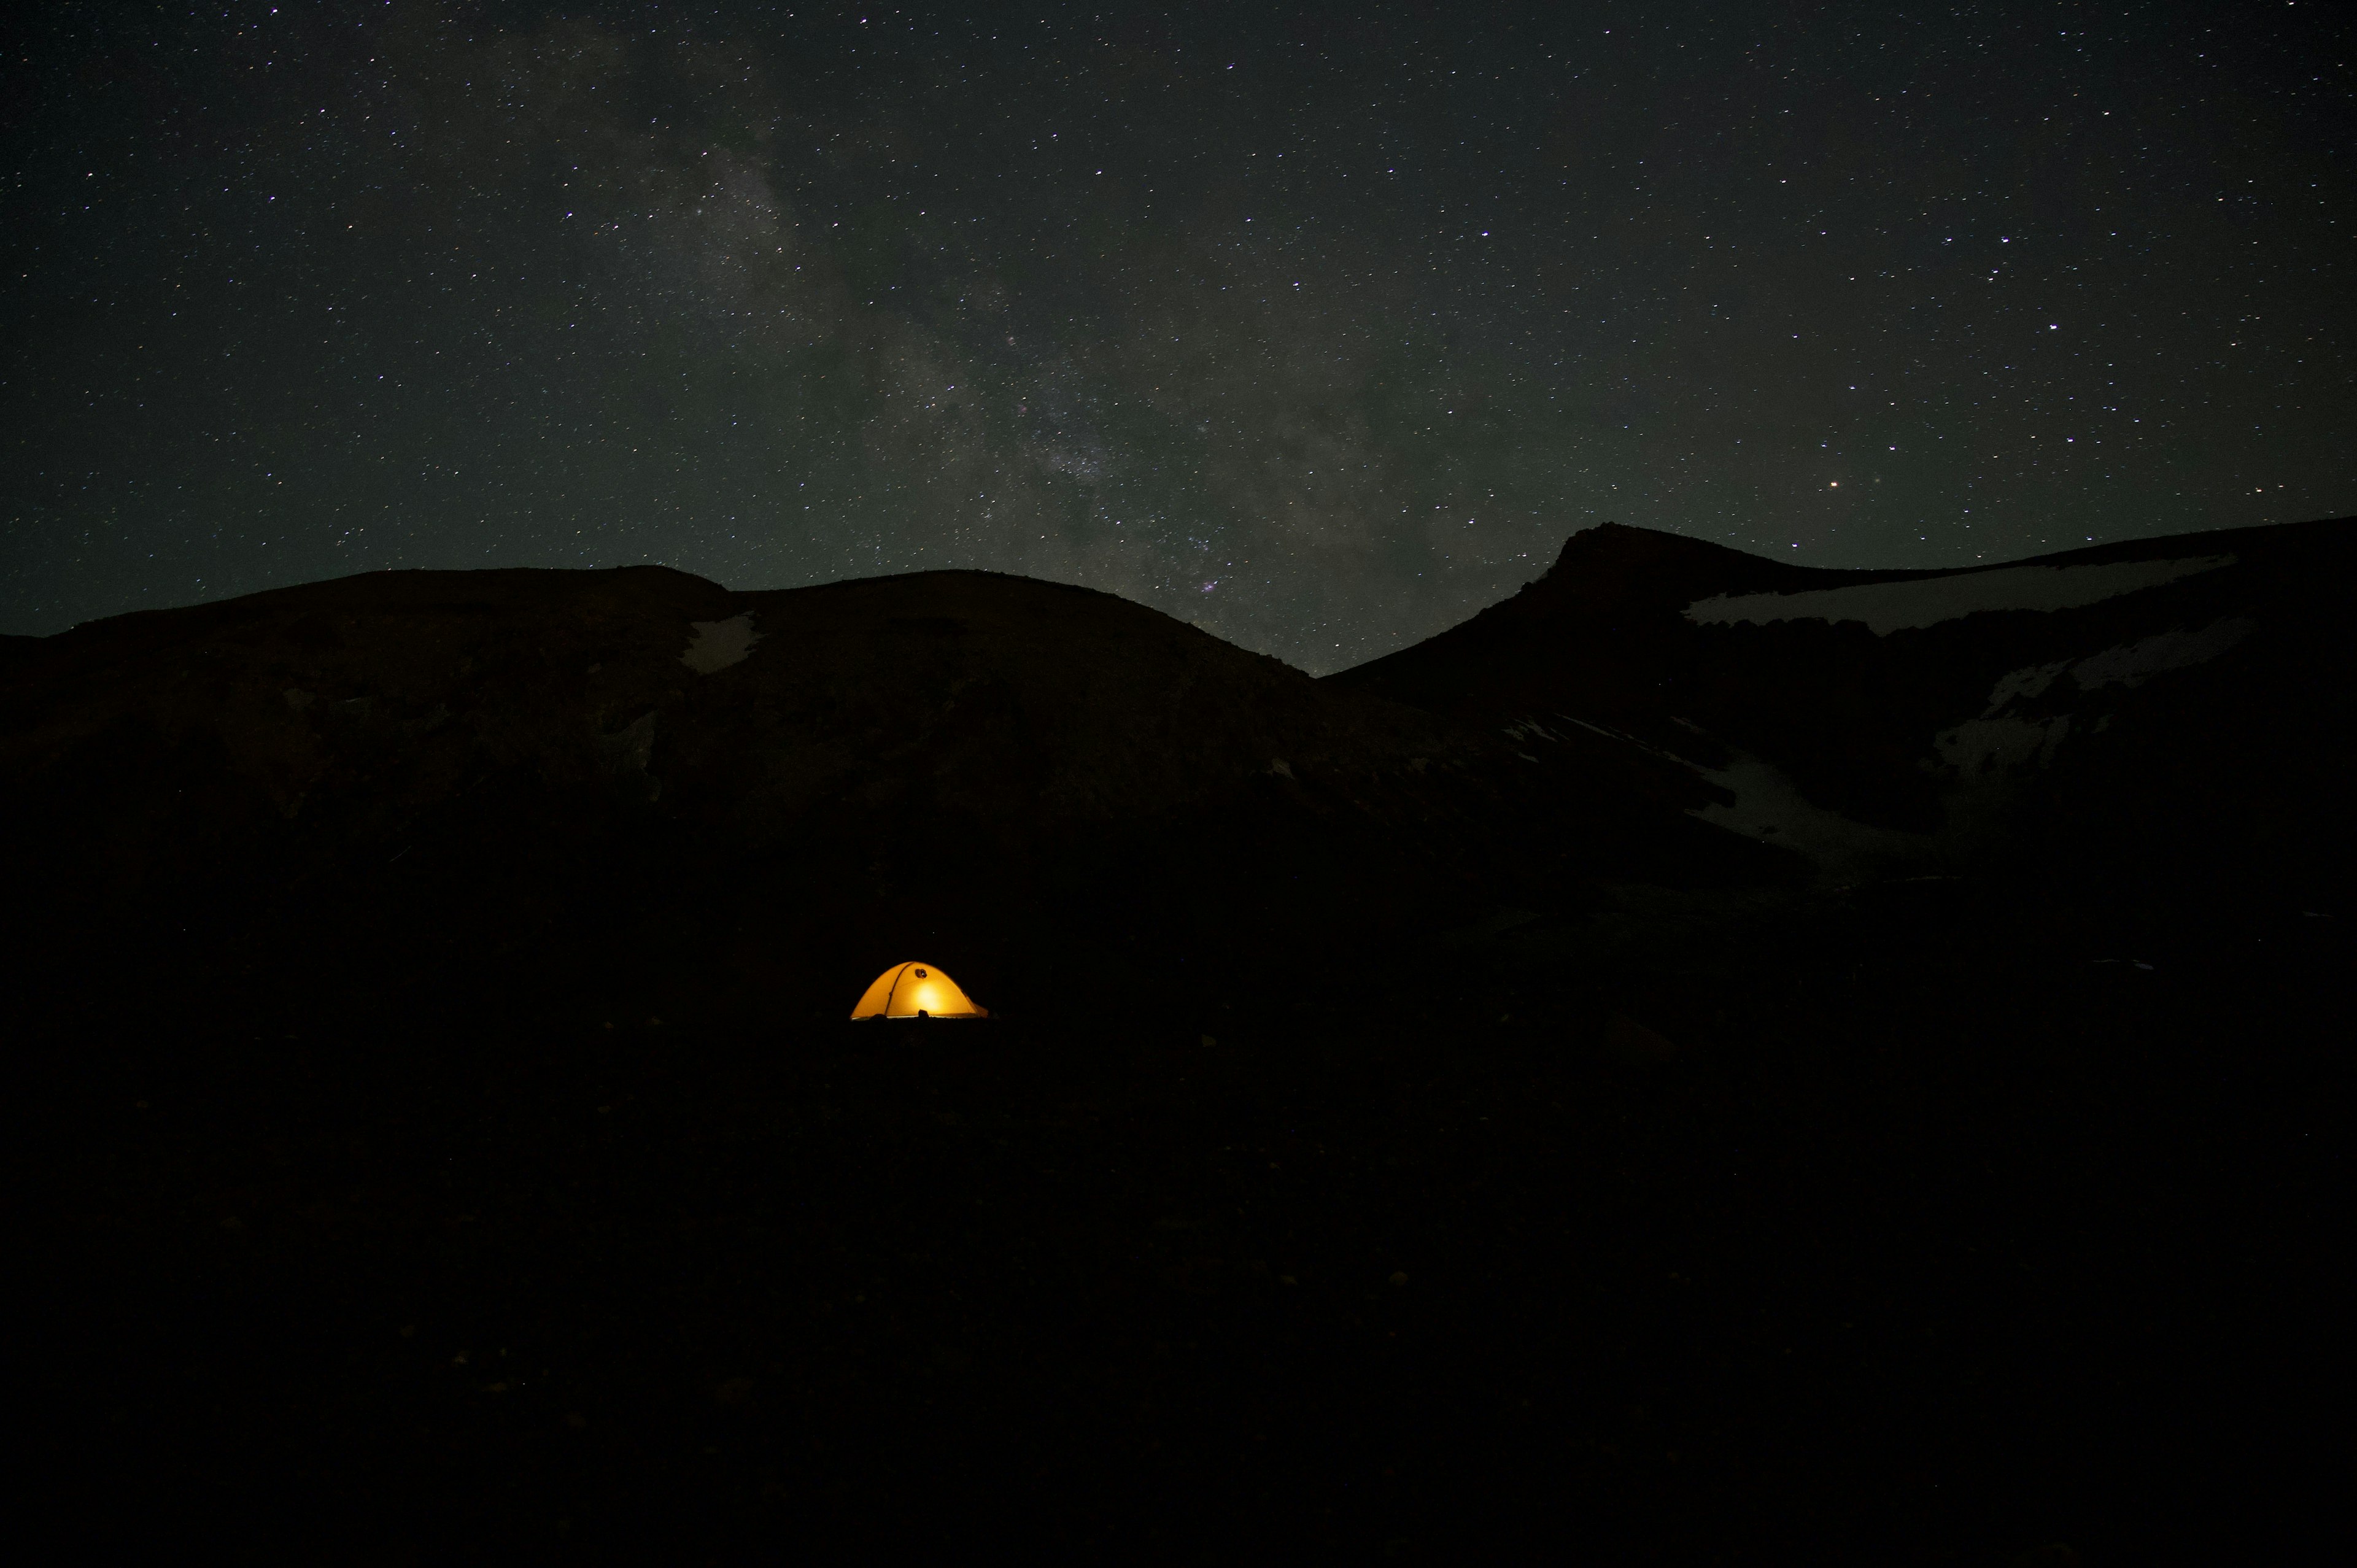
[{"x": 917, "y": 991}]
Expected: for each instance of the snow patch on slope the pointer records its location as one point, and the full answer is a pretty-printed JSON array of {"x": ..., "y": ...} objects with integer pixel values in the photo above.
[
  {"x": 2177, "y": 650},
  {"x": 1770, "y": 807},
  {"x": 1886, "y": 607},
  {"x": 1978, "y": 747},
  {"x": 717, "y": 644},
  {"x": 1988, "y": 755},
  {"x": 2128, "y": 665}
]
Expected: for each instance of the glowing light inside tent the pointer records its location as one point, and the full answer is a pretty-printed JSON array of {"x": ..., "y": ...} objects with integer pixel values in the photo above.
[{"x": 917, "y": 991}]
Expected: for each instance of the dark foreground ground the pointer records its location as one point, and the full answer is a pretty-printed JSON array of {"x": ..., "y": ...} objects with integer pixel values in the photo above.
[{"x": 1890, "y": 1226}]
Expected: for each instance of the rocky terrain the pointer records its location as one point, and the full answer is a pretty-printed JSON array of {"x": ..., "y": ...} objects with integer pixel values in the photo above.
[
  {"x": 1707, "y": 1060},
  {"x": 2159, "y": 706}
]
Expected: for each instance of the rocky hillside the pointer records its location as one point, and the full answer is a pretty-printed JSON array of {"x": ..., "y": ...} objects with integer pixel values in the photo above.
[
  {"x": 572, "y": 778},
  {"x": 1424, "y": 1117},
  {"x": 2104, "y": 713}
]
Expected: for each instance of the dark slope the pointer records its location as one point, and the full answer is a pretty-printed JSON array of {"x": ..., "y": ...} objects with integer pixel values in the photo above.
[
  {"x": 476, "y": 761},
  {"x": 1602, "y": 630},
  {"x": 410, "y": 767},
  {"x": 2193, "y": 715}
]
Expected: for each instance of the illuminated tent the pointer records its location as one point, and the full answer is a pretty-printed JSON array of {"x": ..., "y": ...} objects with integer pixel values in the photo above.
[{"x": 917, "y": 991}]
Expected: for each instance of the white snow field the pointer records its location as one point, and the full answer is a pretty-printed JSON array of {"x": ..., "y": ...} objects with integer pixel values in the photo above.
[{"x": 1886, "y": 607}]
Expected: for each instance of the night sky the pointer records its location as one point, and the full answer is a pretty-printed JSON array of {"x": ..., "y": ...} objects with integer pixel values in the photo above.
[{"x": 1319, "y": 327}]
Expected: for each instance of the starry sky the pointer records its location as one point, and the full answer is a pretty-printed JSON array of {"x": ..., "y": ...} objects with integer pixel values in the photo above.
[{"x": 1321, "y": 328}]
